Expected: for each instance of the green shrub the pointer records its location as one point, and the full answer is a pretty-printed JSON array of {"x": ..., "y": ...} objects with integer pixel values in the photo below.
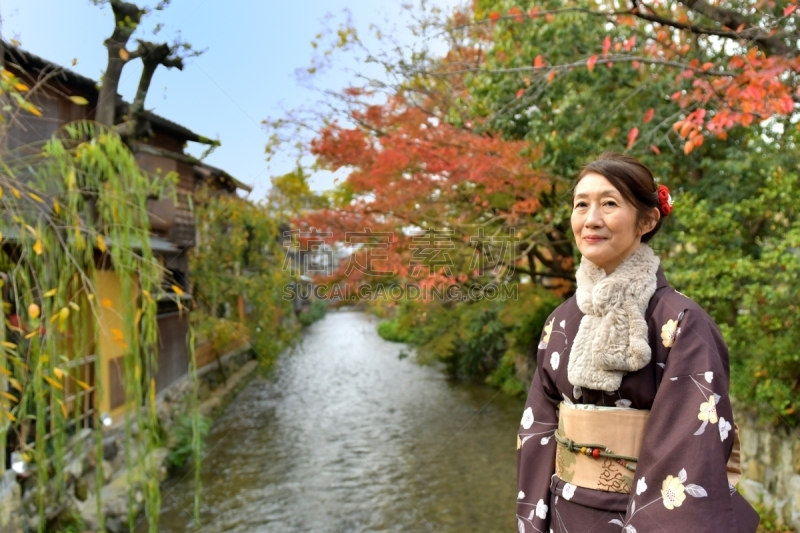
[
  {"x": 180, "y": 438},
  {"x": 392, "y": 330},
  {"x": 316, "y": 311},
  {"x": 493, "y": 340},
  {"x": 741, "y": 262}
]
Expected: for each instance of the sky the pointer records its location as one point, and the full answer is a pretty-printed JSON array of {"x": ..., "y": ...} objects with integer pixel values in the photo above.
[{"x": 246, "y": 74}]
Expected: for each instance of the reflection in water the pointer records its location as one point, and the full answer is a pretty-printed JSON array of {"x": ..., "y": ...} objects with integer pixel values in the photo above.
[{"x": 346, "y": 437}]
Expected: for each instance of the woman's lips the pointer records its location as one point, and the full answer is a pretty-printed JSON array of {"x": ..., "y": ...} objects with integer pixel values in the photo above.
[{"x": 593, "y": 239}]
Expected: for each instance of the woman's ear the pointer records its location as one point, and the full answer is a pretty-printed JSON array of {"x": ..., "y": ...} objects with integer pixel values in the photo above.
[{"x": 649, "y": 223}]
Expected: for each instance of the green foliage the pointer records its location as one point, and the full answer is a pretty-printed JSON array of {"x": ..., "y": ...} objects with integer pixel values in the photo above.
[
  {"x": 74, "y": 204},
  {"x": 391, "y": 331},
  {"x": 239, "y": 254},
  {"x": 69, "y": 521},
  {"x": 316, "y": 311},
  {"x": 732, "y": 241},
  {"x": 291, "y": 194},
  {"x": 741, "y": 261},
  {"x": 222, "y": 333},
  {"x": 769, "y": 519},
  {"x": 493, "y": 340},
  {"x": 181, "y": 438}
]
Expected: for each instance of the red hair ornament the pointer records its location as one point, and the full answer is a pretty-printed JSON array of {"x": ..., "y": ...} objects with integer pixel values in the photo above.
[{"x": 664, "y": 200}]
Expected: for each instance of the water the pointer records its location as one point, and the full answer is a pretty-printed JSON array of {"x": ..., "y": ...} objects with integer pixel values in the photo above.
[{"x": 347, "y": 437}]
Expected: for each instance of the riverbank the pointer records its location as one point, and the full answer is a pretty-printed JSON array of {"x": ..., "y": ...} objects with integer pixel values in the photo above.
[{"x": 218, "y": 384}]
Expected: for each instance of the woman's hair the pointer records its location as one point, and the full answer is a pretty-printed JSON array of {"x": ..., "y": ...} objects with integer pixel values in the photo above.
[{"x": 633, "y": 180}]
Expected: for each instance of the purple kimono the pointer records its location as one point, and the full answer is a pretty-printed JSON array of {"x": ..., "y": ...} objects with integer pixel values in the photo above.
[{"x": 680, "y": 483}]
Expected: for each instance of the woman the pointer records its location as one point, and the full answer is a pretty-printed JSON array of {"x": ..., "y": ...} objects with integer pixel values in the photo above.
[{"x": 628, "y": 423}]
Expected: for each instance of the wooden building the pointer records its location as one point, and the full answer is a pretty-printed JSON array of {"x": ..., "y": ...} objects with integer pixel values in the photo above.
[{"x": 172, "y": 224}]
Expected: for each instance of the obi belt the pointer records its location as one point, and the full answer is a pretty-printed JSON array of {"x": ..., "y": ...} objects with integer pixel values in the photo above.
[{"x": 598, "y": 447}]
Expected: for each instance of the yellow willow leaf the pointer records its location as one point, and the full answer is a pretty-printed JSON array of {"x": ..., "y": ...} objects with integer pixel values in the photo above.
[
  {"x": 177, "y": 290},
  {"x": 147, "y": 295},
  {"x": 80, "y": 100},
  {"x": 32, "y": 109},
  {"x": 107, "y": 303},
  {"x": 1, "y": 192},
  {"x": 10, "y": 416},
  {"x": 16, "y": 384},
  {"x": 63, "y": 408},
  {"x": 32, "y": 334},
  {"x": 35, "y": 198},
  {"x": 33, "y": 310},
  {"x": 138, "y": 317},
  {"x": 101, "y": 243},
  {"x": 82, "y": 384},
  {"x": 58, "y": 372},
  {"x": 9, "y": 345},
  {"x": 16, "y": 193},
  {"x": 1, "y": 235},
  {"x": 30, "y": 229},
  {"x": 63, "y": 314},
  {"x": 53, "y": 383},
  {"x": 74, "y": 306},
  {"x": 44, "y": 359},
  {"x": 51, "y": 292},
  {"x": 21, "y": 87},
  {"x": 90, "y": 297},
  {"x": 71, "y": 179},
  {"x": 118, "y": 338},
  {"x": 9, "y": 396},
  {"x": 37, "y": 247},
  {"x": 56, "y": 208},
  {"x": 5, "y": 371}
]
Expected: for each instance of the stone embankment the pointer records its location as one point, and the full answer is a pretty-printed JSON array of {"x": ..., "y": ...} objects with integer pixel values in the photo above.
[
  {"x": 218, "y": 384},
  {"x": 771, "y": 468}
]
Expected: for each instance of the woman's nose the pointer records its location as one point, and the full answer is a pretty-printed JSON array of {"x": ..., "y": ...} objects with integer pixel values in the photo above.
[{"x": 594, "y": 217}]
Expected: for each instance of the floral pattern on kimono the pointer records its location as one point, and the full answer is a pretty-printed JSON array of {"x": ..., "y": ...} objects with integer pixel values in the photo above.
[{"x": 680, "y": 483}]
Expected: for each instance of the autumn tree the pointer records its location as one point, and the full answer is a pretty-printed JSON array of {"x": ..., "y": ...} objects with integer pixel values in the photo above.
[{"x": 431, "y": 184}]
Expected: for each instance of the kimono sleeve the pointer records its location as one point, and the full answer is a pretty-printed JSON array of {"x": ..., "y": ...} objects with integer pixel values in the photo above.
[
  {"x": 536, "y": 448},
  {"x": 681, "y": 481}
]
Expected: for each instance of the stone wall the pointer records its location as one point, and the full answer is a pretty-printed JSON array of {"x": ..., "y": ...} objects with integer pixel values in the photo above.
[
  {"x": 218, "y": 384},
  {"x": 771, "y": 467}
]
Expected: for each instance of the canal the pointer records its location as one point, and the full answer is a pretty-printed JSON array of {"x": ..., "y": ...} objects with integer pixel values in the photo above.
[{"x": 345, "y": 436}]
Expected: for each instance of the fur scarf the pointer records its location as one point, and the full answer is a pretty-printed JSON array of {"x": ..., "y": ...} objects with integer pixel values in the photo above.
[{"x": 612, "y": 336}]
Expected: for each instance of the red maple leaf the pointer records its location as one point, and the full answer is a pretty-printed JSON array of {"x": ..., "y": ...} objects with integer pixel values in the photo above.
[{"x": 632, "y": 135}]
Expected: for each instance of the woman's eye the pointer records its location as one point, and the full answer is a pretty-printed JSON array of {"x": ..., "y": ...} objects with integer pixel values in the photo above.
[
  {"x": 612, "y": 203},
  {"x": 579, "y": 204}
]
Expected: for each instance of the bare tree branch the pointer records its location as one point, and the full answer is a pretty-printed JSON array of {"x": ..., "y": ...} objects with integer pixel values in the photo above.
[
  {"x": 772, "y": 44},
  {"x": 600, "y": 61},
  {"x": 126, "y": 18}
]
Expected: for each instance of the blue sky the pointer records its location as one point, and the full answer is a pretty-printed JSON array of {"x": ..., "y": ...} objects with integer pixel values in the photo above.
[{"x": 246, "y": 75}]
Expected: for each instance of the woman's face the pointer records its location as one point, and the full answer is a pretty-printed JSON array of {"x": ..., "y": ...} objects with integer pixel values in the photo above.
[{"x": 605, "y": 225}]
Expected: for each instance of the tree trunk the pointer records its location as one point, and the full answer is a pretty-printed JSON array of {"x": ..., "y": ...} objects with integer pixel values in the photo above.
[{"x": 126, "y": 19}]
